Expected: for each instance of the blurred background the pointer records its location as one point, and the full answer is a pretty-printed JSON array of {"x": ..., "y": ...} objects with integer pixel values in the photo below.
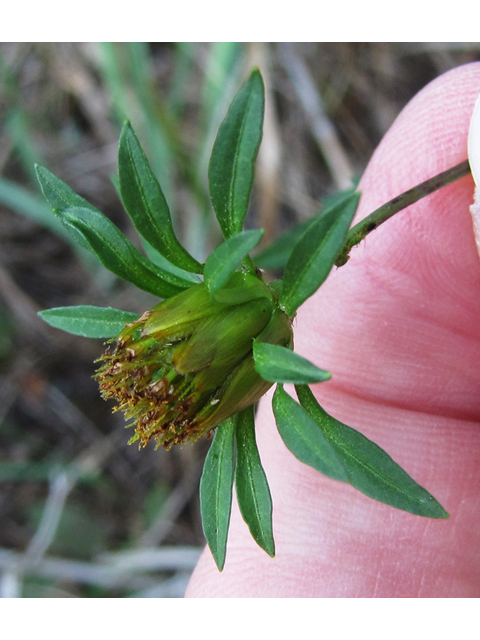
[{"x": 81, "y": 513}]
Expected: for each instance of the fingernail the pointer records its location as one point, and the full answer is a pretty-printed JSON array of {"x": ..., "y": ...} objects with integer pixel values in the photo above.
[{"x": 474, "y": 160}]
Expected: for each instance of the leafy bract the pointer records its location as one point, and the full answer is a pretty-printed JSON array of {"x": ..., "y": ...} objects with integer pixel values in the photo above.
[
  {"x": 303, "y": 438},
  {"x": 221, "y": 264},
  {"x": 88, "y": 321},
  {"x": 253, "y": 494},
  {"x": 145, "y": 202},
  {"x": 276, "y": 254},
  {"x": 119, "y": 255},
  {"x": 315, "y": 253},
  {"x": 60, "y": 197},
  {"x": 279, "y": 364},
  {"x": 231, "y": 168},
  {"x": 370, "y": 469},
  {"x": 95, "y": 232},
  {"x": 216, "y": 487}
]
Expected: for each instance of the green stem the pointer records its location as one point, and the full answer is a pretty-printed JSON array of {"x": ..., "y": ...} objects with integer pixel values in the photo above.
[{"x": 360, "y": 231}]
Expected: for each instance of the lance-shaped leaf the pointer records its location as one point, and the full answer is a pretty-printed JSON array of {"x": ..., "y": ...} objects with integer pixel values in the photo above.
[
  {"x": 88, "y": 321},
  {"x": 145, "y": 202},
  {"x": 253, "y": 494},
  {"x": 279, "y": 364},
  {"x": 276, "y": 255},
  {"x": 118, "y": 254},
  {"x": 216, "y": 487},
  {"x": 60, "y": 196},
  {"x": 304, "y": 439},
  {"x": 370, "y": 469},
  {"x": 157, "y": 258},
  {"x": 232, "y": 164},
  {"x": 221, "y": 264},
  {"x": 315, "y": 253}
]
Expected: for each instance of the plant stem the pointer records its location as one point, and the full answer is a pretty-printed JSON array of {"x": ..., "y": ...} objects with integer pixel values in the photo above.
[{"x": 360, "y": 231}]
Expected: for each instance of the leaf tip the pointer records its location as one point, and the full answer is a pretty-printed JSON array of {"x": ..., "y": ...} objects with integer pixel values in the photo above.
[
  {"x": 220, "y": 562},
  {"x": 441, "y": 513},
  {"x": 256, "y": 74},
  {"x": 38, "y": 171}
]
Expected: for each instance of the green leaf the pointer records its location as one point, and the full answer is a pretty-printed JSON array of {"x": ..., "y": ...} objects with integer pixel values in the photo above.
[
  {"x": 145, "y": 202},
  {"x": 157, "y": 258},
  {"x": 118, "y": 254},
  {"x": 232, "y": 164},
  {"x": 279, "y": 364},
  {"x": 370, "y": 469},
  {"x": 221, "y": 264},
  {"x": 303, "y": 437},
  {"x": 315, "y": 253},
  {"x": 60, "y": 197},
  {"x": 276, "y": 255},
  {"x": 216, "y": 487},
  {"x": 95, "y": 232},
  {"x": 253, "y": 494},
  {"x": 88, "y": 321},
  {"x": 58, "y": 193}
]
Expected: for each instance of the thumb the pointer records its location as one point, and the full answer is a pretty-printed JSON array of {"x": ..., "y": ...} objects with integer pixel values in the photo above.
[{"x": 398, "y": 328}]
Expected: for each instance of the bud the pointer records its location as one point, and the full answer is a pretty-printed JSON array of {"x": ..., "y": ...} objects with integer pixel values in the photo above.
[{"x": 187, "y": 365}]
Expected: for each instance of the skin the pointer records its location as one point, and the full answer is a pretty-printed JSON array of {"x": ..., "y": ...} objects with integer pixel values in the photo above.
[{"x": 398, "y": 326}]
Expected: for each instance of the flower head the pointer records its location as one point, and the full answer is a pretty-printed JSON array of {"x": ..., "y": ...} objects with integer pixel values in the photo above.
[{"x": 187, "y": 365}]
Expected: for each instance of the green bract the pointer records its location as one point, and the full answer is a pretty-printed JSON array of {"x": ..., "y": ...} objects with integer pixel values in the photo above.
[
  {"x": 187, "y": 365},
  {"x": 143, "y": 198},
  {"x": 202, "y": 357}
]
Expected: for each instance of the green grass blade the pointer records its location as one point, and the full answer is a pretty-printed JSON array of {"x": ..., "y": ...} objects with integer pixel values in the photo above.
[
  {"x": 253, "y": 494},
  {"x": 17, "y": 126},
  {"x": 219, "y": 73},
  {"x": 216, "y": 486},
  {"x": 157, "y": 121},
  {"x": 31, "y": 206}
]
